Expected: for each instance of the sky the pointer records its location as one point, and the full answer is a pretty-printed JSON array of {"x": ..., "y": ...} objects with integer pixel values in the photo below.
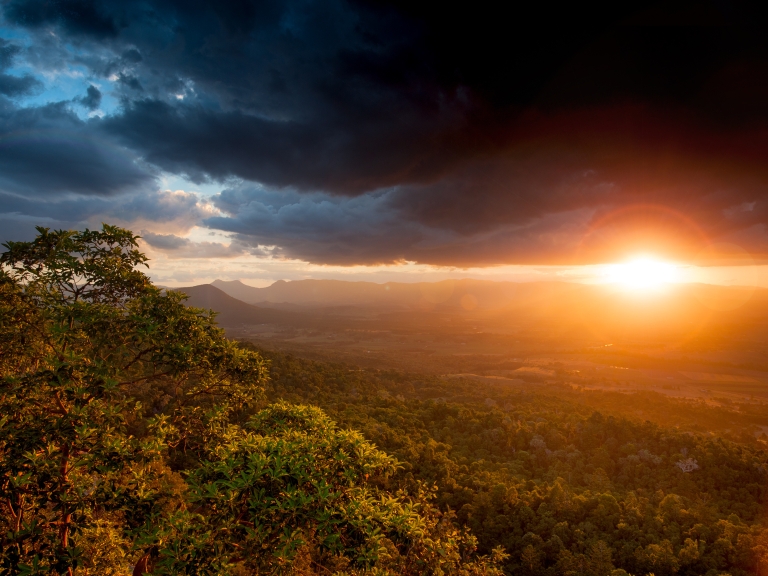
[{"x": 261, "y": 140}]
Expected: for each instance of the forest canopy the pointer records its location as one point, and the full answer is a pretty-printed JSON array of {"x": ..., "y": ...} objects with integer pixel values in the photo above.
[
  {"x": 559, "y": 477},
  {"x": 136, "y": 438}
]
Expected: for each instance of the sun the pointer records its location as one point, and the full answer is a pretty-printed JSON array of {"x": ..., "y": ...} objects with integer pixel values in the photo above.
[{"x": 642, "y": 273}]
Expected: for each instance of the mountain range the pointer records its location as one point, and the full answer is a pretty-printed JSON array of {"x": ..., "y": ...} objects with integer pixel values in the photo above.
[
  {"x": 467, "y": 293},
  {"x": 562, "y": 307}
]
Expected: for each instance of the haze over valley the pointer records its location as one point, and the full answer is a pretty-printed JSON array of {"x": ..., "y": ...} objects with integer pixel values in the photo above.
[{"x": 695, "y": 341}]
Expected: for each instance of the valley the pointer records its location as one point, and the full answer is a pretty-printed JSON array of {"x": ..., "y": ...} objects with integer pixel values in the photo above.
[{"x": 595, "y": 338}]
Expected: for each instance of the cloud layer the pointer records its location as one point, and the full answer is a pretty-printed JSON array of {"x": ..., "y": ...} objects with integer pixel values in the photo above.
[{"x": 351, "y": 132}]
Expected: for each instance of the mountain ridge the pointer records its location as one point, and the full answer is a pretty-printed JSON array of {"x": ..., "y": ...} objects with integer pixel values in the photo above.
[
  {"x": 466, "y": 293},
  {"x": 231, "y": 311}
]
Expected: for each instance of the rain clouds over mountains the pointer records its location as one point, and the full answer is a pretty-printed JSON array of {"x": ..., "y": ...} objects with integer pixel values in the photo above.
[{"x": 369, "y": 132}]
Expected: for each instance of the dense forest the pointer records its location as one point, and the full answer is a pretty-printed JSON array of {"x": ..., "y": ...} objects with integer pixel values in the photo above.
[
  {"x": 566, "y": 488},
  {"x": 134, "y": 437}
]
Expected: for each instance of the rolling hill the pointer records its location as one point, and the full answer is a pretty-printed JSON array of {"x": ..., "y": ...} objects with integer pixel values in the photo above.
[
  {"x": 232, "y": 312},
  {"x": 466, "y": 293}
]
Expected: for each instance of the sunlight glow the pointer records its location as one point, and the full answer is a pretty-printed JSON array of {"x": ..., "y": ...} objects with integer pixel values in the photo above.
[{"x": 642, "y": 273}]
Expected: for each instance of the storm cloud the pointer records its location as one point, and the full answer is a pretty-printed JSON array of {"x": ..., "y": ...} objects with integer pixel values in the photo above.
[
  {"x": 49, "y": 150},
  {"x": 11, "y": 85},
  {"x": 370, "y": 132}
]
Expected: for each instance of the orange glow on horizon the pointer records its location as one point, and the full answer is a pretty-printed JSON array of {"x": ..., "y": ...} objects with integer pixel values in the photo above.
[{"x": 642, "y": 273}]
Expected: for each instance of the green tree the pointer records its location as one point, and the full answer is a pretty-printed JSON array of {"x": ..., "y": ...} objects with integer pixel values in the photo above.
[
  {"x": 292, "y": 484},
  {"x": 659, "y": 558},
  {"x": 82, "y": 332}
]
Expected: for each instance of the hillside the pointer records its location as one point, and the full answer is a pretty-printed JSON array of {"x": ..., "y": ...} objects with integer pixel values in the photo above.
[{"x": 231, "y": 311}]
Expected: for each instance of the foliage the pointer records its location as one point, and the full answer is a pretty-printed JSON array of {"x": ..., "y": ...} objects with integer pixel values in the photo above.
[
  {"x": 563, "y": 488},
  {"x": 130, "y": 435},
  {"x": 291, "y": 483}
]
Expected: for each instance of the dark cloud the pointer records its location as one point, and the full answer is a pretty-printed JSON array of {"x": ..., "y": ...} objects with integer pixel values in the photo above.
[
  {"x": 374, "y": 229},
  {"x": 8, "y": 52},
  {"x": 381, "y": 131},
  {"x": 317, "y": 227},
  {"x": 179, "y": 247},
  {"x": 13, "y": 85},
  {"x": 155, "y": 206},
  {"x": 316, "y": 155},
  {"x": 164, "y": 241},
  {"x": 74, "y": 16},
  {"x": 132, "y": 56},
  {"x": 92, "y": 98},
  {"x": 20, "y": 214},
  {"x": 49, "y": 150},
  {"x": 130, "y": 82}
]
